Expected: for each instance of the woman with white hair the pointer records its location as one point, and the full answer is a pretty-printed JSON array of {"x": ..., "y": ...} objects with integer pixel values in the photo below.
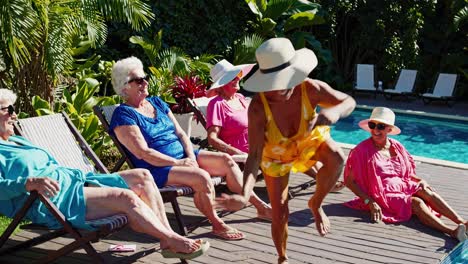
[
  {"x": 147, "y": 128},
  {"x": 381, "y": 172},
  {"x": 25, "y": 167}
]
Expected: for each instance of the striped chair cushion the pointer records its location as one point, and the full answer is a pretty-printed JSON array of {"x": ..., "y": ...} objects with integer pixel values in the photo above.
[
  {"x": 186, "y": 190},
  {"x": 110, "y": 223}
]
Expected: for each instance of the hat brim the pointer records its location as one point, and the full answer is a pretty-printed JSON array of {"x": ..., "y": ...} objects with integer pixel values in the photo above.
[
  {"x": 231, "y": 74},
  {"x": 303, "y": 62},
  {"x": 364, "y": 125}
]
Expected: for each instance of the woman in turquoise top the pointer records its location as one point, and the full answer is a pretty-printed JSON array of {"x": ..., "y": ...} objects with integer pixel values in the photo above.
[{"x": 25, "y": 167}]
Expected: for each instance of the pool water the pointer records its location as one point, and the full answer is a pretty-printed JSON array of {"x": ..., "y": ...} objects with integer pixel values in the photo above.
[{"x": 430, "y": 137}]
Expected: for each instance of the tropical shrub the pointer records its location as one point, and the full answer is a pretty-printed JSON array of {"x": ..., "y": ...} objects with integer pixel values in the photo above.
[
  {"x": 166, "y": 67},
  {"x": 384, "y": 33},
  {"x": 293, "y": 19},
  {"x": 190, "y": 86},
  {"x": 40, "y": 39},
  {"x": 244, "y": 49}
]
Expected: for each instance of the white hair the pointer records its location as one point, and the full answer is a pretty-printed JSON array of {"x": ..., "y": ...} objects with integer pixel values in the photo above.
[
  {"x": 120, "y": 72},
  {"x": 8, "y": 95}
]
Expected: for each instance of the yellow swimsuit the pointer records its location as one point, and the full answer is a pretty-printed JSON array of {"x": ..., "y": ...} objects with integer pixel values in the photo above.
[{"x": 281, "y": 154}]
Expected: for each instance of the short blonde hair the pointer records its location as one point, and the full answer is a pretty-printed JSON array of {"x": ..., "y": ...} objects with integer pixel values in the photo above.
[
  {"x": 8, "y": 95},
  {"x": 120, "y": 72}
]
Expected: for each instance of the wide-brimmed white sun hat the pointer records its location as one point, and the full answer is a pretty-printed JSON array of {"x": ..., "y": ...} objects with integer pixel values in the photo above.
[
  {"x": 381, "y": 115},
  {"x": 280, "y": 66},
  {"x": 224, "y": 72}
]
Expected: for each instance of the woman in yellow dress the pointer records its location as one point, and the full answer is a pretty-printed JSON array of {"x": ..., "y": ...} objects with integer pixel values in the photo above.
[{"x": 287, "y": 134}]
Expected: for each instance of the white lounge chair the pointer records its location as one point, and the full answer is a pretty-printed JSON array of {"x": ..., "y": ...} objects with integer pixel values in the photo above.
[
  {"x": 444, "y": 89},
  {"x": 199, "y": 107},
  {"x": 404, "y": 86},
  {"x": 365, "y": 81}
]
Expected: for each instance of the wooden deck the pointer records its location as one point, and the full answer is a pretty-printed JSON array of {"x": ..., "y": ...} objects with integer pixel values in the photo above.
[{"x": 353, "y": 239}]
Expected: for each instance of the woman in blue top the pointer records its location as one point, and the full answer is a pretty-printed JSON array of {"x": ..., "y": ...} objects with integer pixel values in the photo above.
[
  {"x": 155, "y": 141},
  {"x": 25, "y": 167}
]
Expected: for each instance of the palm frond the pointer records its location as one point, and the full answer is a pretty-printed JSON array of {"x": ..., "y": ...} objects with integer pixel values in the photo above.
[
  {"x": 64, "y": 24},
  {"x": 244, "y": 49},
  {"x": 174, "y": 59},
  {"x": 94, "y": 23},
  {"x": 20, "y": 31},
  {"x": 206, "y": 57},
  {"x": 460, "y": 17},
  {"x": 134, "y": 12}
]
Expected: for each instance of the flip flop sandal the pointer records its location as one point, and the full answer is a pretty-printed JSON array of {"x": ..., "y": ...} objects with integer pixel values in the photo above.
[
  {"x": 230, "y": 234},
  {"x": 167, "y": 253}
]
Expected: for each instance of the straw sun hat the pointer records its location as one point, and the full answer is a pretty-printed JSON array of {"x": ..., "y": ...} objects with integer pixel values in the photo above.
[
  {"x": 381, "y": 115},
  {"x": 280, "y": 66},
  {"x": 224, "y": 72}
]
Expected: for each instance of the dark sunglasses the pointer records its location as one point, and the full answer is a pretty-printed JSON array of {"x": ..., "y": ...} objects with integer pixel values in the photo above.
[
  {"x": 138, "y": 80},
  {"x": 11, "y": 109},
  {"x": 379, "y": 126}
]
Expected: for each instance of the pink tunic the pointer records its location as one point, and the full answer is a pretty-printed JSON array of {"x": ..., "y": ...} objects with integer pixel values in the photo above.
[
  {"x": 387, "y": 180},
  {"x": 233, "y": 122}
]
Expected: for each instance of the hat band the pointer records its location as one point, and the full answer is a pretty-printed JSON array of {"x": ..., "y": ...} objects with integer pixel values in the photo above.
[{"x": 277, "y": 68}]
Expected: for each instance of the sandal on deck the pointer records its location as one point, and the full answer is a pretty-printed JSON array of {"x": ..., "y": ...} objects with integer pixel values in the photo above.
[
  {"x": 167, "y": 253},
  {"x": 230, "y": 234}
]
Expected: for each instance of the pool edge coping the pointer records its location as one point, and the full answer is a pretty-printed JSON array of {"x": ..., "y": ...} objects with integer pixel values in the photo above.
[
  {"x": 452, "y": 164},
  {"x": 421, "y": 113}
]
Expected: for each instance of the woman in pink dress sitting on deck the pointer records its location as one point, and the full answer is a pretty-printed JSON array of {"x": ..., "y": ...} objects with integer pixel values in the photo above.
[{"x": 381, "y": 172}]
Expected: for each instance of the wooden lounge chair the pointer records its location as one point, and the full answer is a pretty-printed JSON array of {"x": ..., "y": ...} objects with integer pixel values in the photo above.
[
  {"x": 57, "y": 134},
  {"x": 169, "y": 193},
  {"x": 443, "y": 90},
  {"x": 365, "y": 81},
  {"x": 404, "y": 86}
]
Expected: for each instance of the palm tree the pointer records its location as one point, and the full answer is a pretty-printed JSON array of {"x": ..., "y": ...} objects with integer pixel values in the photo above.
[{"x": 38, "y": 38}]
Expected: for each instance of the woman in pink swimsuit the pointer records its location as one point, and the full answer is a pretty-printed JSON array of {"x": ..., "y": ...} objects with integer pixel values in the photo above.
[{"x": 381, "y": 172}]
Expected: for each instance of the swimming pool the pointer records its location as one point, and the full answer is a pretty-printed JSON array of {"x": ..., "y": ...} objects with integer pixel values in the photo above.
[{"x": 431, "y": 137}]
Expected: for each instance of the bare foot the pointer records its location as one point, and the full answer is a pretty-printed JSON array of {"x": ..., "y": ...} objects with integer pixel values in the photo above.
[
  {"x": 339, "y": 185},
  {"x": 228, "y": 233},
  {"x": 283, "y": 260},
  {"x": 460, "y": 233},
  {"x": 181, "y": 244},
  {"x": 264, "y": 212},
  {"x": 322, "y": 223}
]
